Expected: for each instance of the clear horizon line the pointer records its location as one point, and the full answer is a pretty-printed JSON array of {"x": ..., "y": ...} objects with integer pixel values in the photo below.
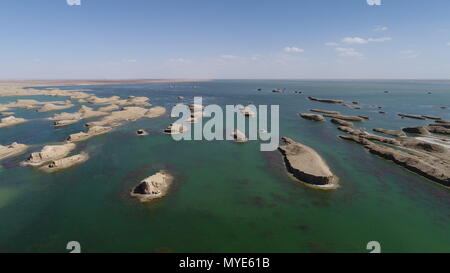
[{"x": 198, "y": 79}]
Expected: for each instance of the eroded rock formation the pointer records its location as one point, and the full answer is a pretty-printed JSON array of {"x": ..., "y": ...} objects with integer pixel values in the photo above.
[
  {"x": 306, "y": 165},
  {"x": 153, "y": 187}
]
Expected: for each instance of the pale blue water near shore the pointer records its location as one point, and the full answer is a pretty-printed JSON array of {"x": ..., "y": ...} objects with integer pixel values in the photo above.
[{"x": 228, "y": 197}]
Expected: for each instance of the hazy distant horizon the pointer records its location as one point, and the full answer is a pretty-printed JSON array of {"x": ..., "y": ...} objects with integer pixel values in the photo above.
[{"x": 218, "y": 79}]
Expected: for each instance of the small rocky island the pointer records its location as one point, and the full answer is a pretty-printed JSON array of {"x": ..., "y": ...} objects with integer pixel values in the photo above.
[
  {"x": 64, "y": 163},
  {"x": 175, "y": 129},
  {"x": 153, "y": 187},
  {"x": 11, "y": 121},
  {"x": 141, "y": 132},
  {"x": 306, "y": 165},
  {"x": 49, "y": 153},
  {"x": 93, "y": 131},
  {"x": 326, "y": 100},
  {"x": 314, "y": 117},
  {"x": 12, "y": 150}
]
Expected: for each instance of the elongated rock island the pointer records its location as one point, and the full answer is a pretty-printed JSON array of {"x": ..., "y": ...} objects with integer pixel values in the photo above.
[
  {"x": 326, "y": 100},
  {"x": 314, "y": 117},
  {"x": 64, "y": 163},
  {"x": 49, "y": 153},
  {"x": 93, "y": 131},
  {"x": 306, "y": 165},
  {"x": 341, "y": 122},
  {"x": 428, "y": 160},
  {"x": 395, "y": 133},
  {"x": 11, "y": 121}
]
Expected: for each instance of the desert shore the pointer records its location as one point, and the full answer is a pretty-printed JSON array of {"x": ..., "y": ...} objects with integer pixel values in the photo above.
[{"x": 97, "y": 81}]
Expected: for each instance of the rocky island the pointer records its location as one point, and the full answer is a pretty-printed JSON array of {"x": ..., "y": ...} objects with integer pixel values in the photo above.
[
  {"x": 93, "y": 131},
  {"x": 11, "y": 121},
  {"x": 129, "y": 113},
  {"x": 83, "y": 113},
  {"x": 395, "y": 133},
  {"x": 142, "y": 132},
  {"x": 326, "y": 100},
  {"x": 341, "y": 122},
  {"x": 425, "y": 159},
  {"x": 325, "y": 111},
  {"x": 344, "y": 117},
  {"x": 12, "y": 150},
  {"x": 306, "y": 165},
  {"x": 64, "y": 163},
  {"x": 109, "y": 108},
  {"x": 54, "y": 107},
  {"x": 314, "y": 117},
  {"x": 411, "y": 116},
  {"x": 49, "y": 153},
  {"x": 153, "y": 187}
]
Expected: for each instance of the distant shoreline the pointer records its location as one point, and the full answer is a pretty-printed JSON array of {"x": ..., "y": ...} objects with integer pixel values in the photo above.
[{"x": 98, "y": 82}]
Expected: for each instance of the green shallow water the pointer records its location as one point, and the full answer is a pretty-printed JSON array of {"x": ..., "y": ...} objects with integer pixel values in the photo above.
[{"x": 228, "y": 197}]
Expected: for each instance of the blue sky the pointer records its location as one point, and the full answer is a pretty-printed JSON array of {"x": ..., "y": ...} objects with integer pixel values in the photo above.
[{"x": 224, "y": 39}]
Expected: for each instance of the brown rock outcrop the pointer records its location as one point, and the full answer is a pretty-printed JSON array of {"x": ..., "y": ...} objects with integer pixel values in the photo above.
[
  {"x": 425, "y": 164},
  {"x": 325, "y": 111},
  {"x": 341, "y": 122},
  {"x": 344, "y": 117},
  {"x": 93, "y": 131},
  {"x": 326, "y": 100},
  {"x": 306, "y": 165},
  {"x": 64, "y": 122},
  {"x": 153, "y": 187},
  {"x": 108, "y": 108},
  {"x": 12, "y": 150},
  {"x": 420, "y": 130},
  {"x": 64, "y": 163},
  {"x": 49, "y": 153},
  {"x": 395, "y": 133},
  {"x": 48, "y": 107},
  {"x": 431, "y": 117},
  {"x": 11, "y": 121},
  {"x": 83, "y": 113},
  {"x": 314, "y": 117},
  {"x": 411, "y": 116},
  {"x": 438, "y": 130}
]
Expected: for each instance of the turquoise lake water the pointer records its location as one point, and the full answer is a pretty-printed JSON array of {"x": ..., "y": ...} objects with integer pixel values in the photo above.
[{"x": 227, "y": 197}]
